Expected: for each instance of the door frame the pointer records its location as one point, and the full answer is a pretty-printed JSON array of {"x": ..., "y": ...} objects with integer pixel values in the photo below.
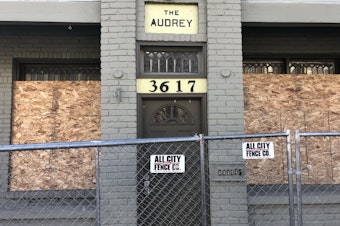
[{"x": 142, "y": 97}]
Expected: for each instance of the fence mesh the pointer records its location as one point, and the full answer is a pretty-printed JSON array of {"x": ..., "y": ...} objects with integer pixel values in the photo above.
[
  {"x": 266, "y": 179},
  {"x": 166, "y": 198},
  {"x": 59, "y": 169},
  {"x": 61, "y": 186},
  {"x": 320, "y": 179},
  {"x": 49, "y": 187}
]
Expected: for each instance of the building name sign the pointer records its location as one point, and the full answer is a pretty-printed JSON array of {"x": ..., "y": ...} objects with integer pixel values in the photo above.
[{"x": 171, "y": 18}]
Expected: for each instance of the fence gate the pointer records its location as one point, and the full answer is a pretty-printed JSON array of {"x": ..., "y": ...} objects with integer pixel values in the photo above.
[
  {"x": 317, "y": 178},
  {"x": 169, "y": 184}
]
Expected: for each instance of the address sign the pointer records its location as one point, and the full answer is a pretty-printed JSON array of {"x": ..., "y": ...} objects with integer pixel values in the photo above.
[{"x": 166, "y": 86}]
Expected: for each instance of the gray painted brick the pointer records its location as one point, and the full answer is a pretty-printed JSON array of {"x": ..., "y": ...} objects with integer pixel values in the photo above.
[{"x": 223, "y": 43}]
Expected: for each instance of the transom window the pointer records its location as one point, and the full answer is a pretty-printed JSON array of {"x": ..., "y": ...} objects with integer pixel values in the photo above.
[
  {"x": 59, "y": 72},
  {"x": 311, "y": 67},
  {"x": 263, "y": 67},
  {"x": 171, "y": 61},
  {"x": 171, "y": 114}
]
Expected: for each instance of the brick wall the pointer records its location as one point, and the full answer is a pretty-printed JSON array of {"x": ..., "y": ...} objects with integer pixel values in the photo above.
[
  {"x": 225, "y": 95},
  {"x": 225, "y": 106},
  {"x": 118, "y": 62},
  {"x": 119, "y": 114}
]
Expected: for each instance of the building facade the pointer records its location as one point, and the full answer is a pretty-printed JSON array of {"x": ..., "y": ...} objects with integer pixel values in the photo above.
[{"x": 154, "y": 57}]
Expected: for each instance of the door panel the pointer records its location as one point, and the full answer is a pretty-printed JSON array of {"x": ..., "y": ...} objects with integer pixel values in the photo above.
[{"x": 170, "y": 198}]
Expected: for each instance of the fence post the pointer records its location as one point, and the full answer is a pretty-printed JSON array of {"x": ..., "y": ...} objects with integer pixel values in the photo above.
[
  {"x": 97, "y": 187},
  {"x": 290, "y": 180},
  {"x": 298, "y": 178},
  {"x": 203, "y": 187}
]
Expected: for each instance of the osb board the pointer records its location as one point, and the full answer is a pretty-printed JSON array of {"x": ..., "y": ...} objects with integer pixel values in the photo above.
[
  {"x": 53, "y": 170},
  {"x": 305, "y": 102},
  {"x": 291, "y": 92},
  {"x": 70, "y": 111},
  {"x": 54, "y": 111},
  {"x": 335, "y": 144},
  {"x": 268, "y": 171}
]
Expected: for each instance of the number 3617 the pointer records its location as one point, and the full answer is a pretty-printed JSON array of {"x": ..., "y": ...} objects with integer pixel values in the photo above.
[{"x": 178, "y": 86}]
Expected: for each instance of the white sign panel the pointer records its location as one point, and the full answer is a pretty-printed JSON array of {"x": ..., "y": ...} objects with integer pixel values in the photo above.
[
  {"x": 258, "y": 150},
  {"x": 171, "y": 18},
  {"x": 167, "y": 163}
]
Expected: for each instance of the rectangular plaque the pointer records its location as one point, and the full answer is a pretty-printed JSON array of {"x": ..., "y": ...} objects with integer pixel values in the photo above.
[
  {"x": 171, "y": 18},
  {"x": 228, "y": 172},
  {"x": 171, "y": 85}
]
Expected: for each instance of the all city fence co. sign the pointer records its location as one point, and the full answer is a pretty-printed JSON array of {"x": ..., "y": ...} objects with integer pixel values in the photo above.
[
  {"x": 171, "y": 18},
  {"x": 258, "y": 150},
  {"x": 167, "y": 163}
]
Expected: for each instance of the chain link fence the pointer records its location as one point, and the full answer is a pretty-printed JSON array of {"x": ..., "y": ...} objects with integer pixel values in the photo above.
[
  {"x": 267, "y": 178},
  {"x": 318, "y": 178},
  {"x": 172, "y": 181},
  {"x": 169, "y": 187},
  {"x": 44, "y": 186}
]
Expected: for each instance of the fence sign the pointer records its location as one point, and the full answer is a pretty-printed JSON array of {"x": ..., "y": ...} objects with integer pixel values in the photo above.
[
  {"x": 167, "y": 163},
  {"x": 258, "y": 150}
]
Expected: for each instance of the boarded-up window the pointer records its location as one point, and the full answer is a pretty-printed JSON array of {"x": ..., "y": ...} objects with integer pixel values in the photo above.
[{"x": 55, "y": 111}]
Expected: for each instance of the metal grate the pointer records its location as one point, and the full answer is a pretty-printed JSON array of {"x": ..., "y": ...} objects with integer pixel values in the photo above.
[
  {"x": 311, "y": 68},
  {"x": 60, "y": 72},
  {"x": 171, "y": 61},
  {"x": 263, "y": 67},
  {"x": 294, "y": 67}
]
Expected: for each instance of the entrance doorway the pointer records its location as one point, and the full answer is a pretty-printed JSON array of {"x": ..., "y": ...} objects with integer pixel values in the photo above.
[{"x": 170, "y": 198}]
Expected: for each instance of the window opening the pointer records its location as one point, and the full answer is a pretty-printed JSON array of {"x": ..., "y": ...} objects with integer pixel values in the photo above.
[
  {"x": 171, "y": 61},
  {"x": 59, "y": 72},
  {"x": 263, "y": 67},
  {"x": 171, "y": 114},
  {"x": 311, "y": 68}
]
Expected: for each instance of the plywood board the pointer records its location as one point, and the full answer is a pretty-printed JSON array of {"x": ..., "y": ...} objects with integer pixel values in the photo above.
[
  {"x": 275, "y": 103},
  {"x": 57, "y": 111},
  {"x": 70, "y": 111}
]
